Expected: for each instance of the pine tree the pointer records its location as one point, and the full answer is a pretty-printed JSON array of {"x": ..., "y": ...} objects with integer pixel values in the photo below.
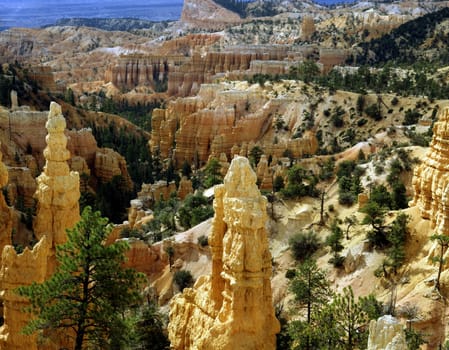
[
  {"x": 350, "y": 320},
  {"x": 311, "y": 291},
  {"x": 334, "y": 242},
  {"x": 443, "y": 242},
  {"x": 90, "y": 290}
]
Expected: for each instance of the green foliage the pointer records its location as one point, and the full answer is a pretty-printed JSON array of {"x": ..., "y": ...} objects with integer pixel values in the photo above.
[
  {"x": 149, "y": 328},
  {"x": 311, "y": 291},
  {"x": 360, "y": 104},
  {"x": 414, "y": 339},
  {"x": 397, "y": 239},
  {"x": 112, "y": 199},
  {"x": 212, "y": 173},
  {"x": 303, "y": 245},
  {"x": 142, "y": 166},
  {"x": 300, "y": 183},
  {"x": 186, "y": 169},
  {"x": 327, "y": 169},
  {"x": 254, "y": 155},
  {"x": 163, "y": 224},
  {"x": 373, "y": 111},
  {"x": 203, "y": 241},
  {"x": 411, "y": 117},
  {"x": 375, "y": 216},
  {"x": 350, "y": 320},
  {"x": 371, "y": 306},
  {"x": 443, "y": 242},
  {"x": 334, "y": 242},
  {"x": 68, "y": 301},
  {"x": 404, "y": 43},
  {"x": 278, "y": 183},
  {"x": 183, "y": 279},
  {"x": 348, "y": 175},
  {"x": 138, "y": 114},
  {"x": 310, "y": 287},
  {"x": 69, "y": 97},
  {"x": 306, "y": 71},
  {"x": 194, "y": 210},
  {"x": 380, "y": 195},
  {"x": 128, "y": 232}
]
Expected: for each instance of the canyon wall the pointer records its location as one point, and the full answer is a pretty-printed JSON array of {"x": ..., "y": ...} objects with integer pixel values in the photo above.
[
  {"x": 225, "y": 119},
  {"x": 184, "y": 74},
  {"x": 234, "y": 303}
]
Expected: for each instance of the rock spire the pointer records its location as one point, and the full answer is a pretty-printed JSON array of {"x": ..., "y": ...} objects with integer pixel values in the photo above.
[
  {"x": 57, "y": 209},
  {"x": 57, "y": 187},
  {"x": 386, "y": 334},
  {"x": 234, "y": 303}
]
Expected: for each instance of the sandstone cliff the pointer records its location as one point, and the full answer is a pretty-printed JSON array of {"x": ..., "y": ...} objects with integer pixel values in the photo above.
[
  {"x": 234, "y": 303},
  {"x": 57, "y": 209}
]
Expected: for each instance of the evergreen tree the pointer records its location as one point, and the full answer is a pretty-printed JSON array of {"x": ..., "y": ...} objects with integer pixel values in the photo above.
[
  {"x": 90, "y": 290},
  {"x": 375, "y": 216},
  {"x": 311, "y": 291},
  {"x": 350, "y": 320},
  {"x": 334, "y": 242},
  {"x": 443, "y": 242},
  {"x": 150, "y": 329},
  {"x": 212, "y": 172},
  {"x": 397, "y": 238},
  {"x": 194, "y": 209}
]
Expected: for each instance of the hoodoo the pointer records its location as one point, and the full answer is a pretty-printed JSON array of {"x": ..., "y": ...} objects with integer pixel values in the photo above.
[{"x": 234, "y": 303}]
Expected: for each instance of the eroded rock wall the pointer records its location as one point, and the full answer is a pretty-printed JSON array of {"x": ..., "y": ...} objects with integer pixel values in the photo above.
[
  {"x": 223, "y": 119},
  {"x": 431, "y": 178},
  {"x": 57, "y": 209},
  {"x": 234, "y": 303}
]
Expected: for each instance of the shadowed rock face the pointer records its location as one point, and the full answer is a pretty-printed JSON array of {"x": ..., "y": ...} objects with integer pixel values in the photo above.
[
  {"x": 234, "y": 303},
  {"x": 5, "y": 211}
]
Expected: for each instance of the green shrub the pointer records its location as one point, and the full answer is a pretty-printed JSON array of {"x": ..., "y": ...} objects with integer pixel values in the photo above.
[
  {"x": 203, "y": 241},
  {"x": 183, "y": 279},
  {"x": 303, "y": 245}
]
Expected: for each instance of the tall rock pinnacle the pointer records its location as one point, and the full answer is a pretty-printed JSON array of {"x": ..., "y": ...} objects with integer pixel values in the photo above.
[
  {"x": 57, "y": 210},
  {"x": 57, "y": 187},
  {"x": 234, "y": 304}
]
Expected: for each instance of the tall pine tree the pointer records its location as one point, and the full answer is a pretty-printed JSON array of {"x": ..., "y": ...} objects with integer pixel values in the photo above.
[{"x": 90, "y": 290}]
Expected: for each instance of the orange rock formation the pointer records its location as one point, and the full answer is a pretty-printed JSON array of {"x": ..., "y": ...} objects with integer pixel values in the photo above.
[
  {"x": 431, "y": 178},
  {"x": 234, "y": 303},
  {"x": 57, "y": 194},
  {"x": 221, "y": 119}
]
